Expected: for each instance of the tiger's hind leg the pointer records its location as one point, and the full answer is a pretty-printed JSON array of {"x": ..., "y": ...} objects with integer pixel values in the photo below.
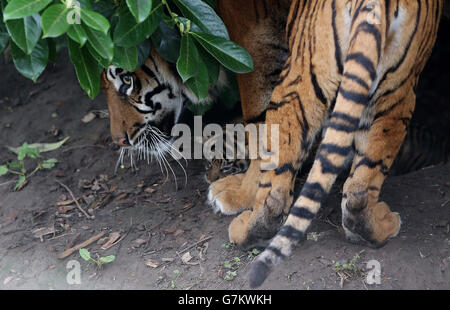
[
  {"x": 364, "y": 218},
  {"x": 297, "y": 128}
]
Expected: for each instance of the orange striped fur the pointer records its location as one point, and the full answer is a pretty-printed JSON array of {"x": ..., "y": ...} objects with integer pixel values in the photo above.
[{"x": 351, "y": 70}]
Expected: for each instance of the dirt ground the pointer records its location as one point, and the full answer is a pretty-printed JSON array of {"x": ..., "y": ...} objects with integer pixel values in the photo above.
[{"x": 158, "y": 224}]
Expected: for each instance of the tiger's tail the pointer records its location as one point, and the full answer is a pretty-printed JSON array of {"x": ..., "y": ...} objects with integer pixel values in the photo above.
[{"x": 366, "y": 45}]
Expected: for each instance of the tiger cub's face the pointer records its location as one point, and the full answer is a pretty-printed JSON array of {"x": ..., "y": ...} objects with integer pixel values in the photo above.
[{"x": 143, "y": 105}]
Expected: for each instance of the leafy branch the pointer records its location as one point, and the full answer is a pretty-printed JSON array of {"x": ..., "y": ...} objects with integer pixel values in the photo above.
[{"x": 100, "y": 33}]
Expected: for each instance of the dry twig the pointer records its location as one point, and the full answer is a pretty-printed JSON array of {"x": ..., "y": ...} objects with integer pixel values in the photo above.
[{"x": 76, "y": 201}]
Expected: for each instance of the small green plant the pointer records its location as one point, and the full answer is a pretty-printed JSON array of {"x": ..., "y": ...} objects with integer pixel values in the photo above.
[
  {"x": 32, "y": 151},
  {"x": 176, "y": 273},
  {"x": 253, "y": 253},
  {"x": 350, "y": 266},
  {"x": 86, "y": 255},
  {"x": 230, "y": 275},
  {"x": 349, "y": 270},
  {"x": 232, "y": 266},
  {"x": 228, "y": 245}
]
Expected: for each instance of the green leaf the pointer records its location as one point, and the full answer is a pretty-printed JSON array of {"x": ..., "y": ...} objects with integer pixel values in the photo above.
[
  {"x": 14, "y": 165},
  {"x": 25, "y": 32},
  {"x": 86, "y": 69},
  {"x": 32, "y": 152},
  {"x": 49, "y": 163},
  {"x": 204, "y": 16},
  {"x": 140, "y": 9},
  {"x": 95, "y": 20},
  {"x": 41, "y": 147},
  {"x": 104, "y": 63},
  {"x": 107, "y": 259},
  {"x": 22, "y": 151},
  {"x": 128, "y": 33},
  {"x": 125, "y": 58},
  {"x": 77, "y": 33},
  {"x": 231, "y": 55},
  {"x": 22, "y": 8},
  {"x": 3, "y": 170},
  {"x": 20, "y": 182},
  {"x": 85, "y": 254},
  {"x": 31, "y": 66},
  {"x": 212, "y": 64},
  {"x": 166, "y": 41},
  {"x": 54, "y": 21},
  {"x": 4, "y": 37},
  {"x": 199, "y": 84},
  {"x": 101, "y": 42},
  {"x": 187, "y": 64}
]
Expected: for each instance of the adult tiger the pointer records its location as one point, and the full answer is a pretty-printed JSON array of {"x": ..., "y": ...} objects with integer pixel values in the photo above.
[{"x": 352, "y": 69}]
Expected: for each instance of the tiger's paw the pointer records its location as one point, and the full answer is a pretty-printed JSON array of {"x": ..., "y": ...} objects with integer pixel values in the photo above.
[
  {"x": 252, "y": 228},
  {"x": 250, "y": 231},
  {"x": 372, "y": 226},
  {"x": 230, "y": 195}
]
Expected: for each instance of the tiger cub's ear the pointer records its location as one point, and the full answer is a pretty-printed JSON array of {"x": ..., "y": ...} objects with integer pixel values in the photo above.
[{"x": 104, "y": 81}]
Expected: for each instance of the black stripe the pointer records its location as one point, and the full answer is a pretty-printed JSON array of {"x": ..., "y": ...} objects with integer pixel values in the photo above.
[
  {"x": 372, "y": 30},
  {"x": 123, "y": 89},
  {"x": 158, "y": 89},
  {"x": 313, "y": 191},
  {"x": 150, "y": 73},
  {"x": 408, "y": 46},
  {"x": 335, "y": 149},
  {"x": 345, "y": 117},
  {"x": 257, "y": 119},
  {"x": 302, "y": 212},
  {"x": 327, "y": 166},
  {"x": 357, "y": 80},
  {"x": 292, "y": 21},
  {"x": 337, "y": 47},
  {"x": 290, "y": 233},
  {"x": 361, "y": 59},
  {"x": 365, "y": 161},
  {"x": 354, "y": 96},
  {"x": 142, "y": 111},
  {"x": 341, "y": 127},
  {"x": 265, "y": 185},
  {"x": 317, "y": 90},
  {"x": 285, "y": 168}
]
